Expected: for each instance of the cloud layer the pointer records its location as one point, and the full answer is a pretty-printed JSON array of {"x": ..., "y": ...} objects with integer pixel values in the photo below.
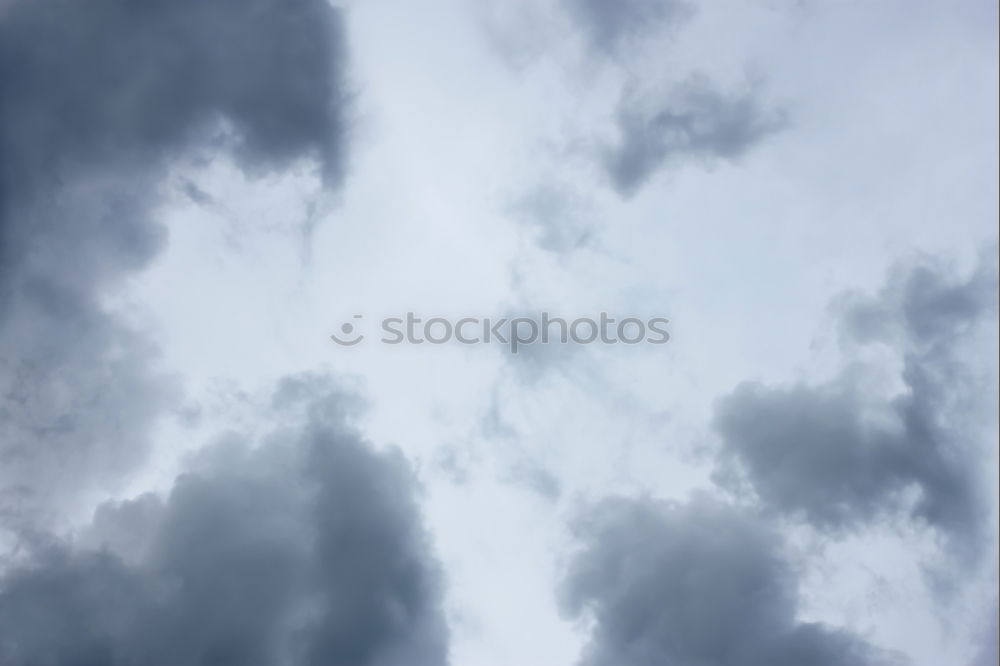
[{"x": 96, "y": 100}]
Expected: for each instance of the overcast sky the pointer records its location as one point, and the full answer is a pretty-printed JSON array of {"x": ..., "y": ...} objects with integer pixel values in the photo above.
[{"x": 196, "y": 194}]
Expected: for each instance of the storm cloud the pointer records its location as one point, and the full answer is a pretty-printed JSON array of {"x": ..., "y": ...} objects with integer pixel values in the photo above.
[
  {"x": 97, "y": 100},
  {"x": 694, "y": 584},
  {"x": 694, "y": 121},
  {"x": 296, "y": 546},
  {"x": 840, "y": 453}
]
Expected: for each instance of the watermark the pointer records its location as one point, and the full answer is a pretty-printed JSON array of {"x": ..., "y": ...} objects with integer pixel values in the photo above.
[{"x": 514, "y": 332}]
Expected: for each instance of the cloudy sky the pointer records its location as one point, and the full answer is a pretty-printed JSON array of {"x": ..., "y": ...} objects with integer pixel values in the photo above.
[{"x": 196, "y": 194}]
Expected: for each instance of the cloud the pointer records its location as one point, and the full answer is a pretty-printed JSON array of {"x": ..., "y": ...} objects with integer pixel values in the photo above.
[
  {"x": 536, "y": 478},
  {"x": 694, "y": 584},
  {"x": 301, "y": 546},
  {"x": 923, "y": 305},
  {"x": 841, "y": 454},
  {"x": 96, "y": 100},
  {"x": 560, "y": 218},
  {"x": 77, "y": 396},
  {"x": 694, "y": 121},
  {"x": 114, "y": 82},
  {"x": 989, "y": 648},
  {"x": 611, "y": 25}
]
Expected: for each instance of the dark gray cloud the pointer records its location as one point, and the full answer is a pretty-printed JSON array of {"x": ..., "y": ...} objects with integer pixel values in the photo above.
[
  {"x": 77, "y": 398},
  {"x": 838, "y": 453},
  {"x": 691, "y": 585},
  {"x": 924, "y": 306},
  {"x": 302, "y": 546},
  {"x": 115, "y": 82},
  {"x": 611, "y": 25},
  {"x": 96, "y": 100},
  {"x": 695, "y": 121}
]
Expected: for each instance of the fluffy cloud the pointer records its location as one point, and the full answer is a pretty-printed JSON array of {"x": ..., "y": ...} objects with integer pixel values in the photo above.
[
  {"x": 839, "y": 453},
  {"x": 301, "y": 546},
  {"x": 96, "y": 99},
  {"x": 694, "y": 584}
]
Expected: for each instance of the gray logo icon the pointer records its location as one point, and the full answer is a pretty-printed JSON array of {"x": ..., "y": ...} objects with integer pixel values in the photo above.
[{"x": 349, "y": 330}]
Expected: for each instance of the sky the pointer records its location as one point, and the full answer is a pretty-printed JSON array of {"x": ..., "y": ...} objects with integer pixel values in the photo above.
[{"x": 199, "y": 197}]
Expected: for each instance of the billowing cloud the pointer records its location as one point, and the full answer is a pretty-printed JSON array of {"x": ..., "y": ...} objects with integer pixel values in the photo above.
[
  {"x": 96, "y": 100},
  {"x": 301, "y": 546},
  {"x": 695, "y": 121},
  {"x": 842, "y": 453},
  {"x": 694, "y": 584},
  {"x": 610, "y": 25}
]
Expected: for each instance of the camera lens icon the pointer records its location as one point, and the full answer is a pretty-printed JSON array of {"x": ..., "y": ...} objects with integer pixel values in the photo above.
[{"x": 349, "y": 335}]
